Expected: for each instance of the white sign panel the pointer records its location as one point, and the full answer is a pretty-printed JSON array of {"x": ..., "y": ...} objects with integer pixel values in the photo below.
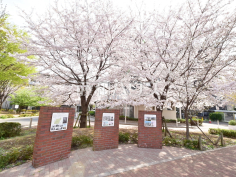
[
  {"x": 59, "y": 122},
  {"x": 150, "y": 120},
  {"x": 16, "y": 106},
  {"x": 108, "y": 119}
]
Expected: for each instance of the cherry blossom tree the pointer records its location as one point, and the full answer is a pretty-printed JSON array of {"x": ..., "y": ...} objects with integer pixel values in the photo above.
[
  {"x": 78, "y": 45},
  {"x": 209, "y": 51},
  {"x": 185, "y": 53}
]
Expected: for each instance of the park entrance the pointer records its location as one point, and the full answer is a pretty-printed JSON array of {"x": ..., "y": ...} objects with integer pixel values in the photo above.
[{"x": 55, "y": 128}]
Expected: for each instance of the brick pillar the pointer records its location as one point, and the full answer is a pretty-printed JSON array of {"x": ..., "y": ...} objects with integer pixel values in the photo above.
[
  {"x": 106, "y": 137},
  {"x": 150, "y": 137},
  {"x": 52, "y": 146}
]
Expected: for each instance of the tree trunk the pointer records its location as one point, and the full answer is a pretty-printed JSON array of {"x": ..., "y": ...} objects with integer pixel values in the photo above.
[
  {"x": 187, "y": 123},
  {"x": 20, "y": 108},
  {"x": 84, "y": 107}
]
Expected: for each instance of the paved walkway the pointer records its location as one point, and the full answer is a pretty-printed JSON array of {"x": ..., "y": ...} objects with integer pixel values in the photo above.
[
  {"x": 129, "y": 160},
  {"x": 217, "y": 163}
]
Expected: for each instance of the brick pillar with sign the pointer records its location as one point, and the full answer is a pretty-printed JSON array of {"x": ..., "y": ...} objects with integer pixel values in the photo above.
[
  {"x": 106, "y": 129},
  {"x": 149, "y": 129},
  {"x": 54, "y": 135}
]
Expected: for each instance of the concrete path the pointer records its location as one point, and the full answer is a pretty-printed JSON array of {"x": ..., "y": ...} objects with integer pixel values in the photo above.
[{"x": 129, "y": 160}]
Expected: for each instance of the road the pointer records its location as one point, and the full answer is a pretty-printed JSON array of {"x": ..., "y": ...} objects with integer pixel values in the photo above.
[
  {"x": 24, "y": 121},
  {"x": 129, "y": 125}
]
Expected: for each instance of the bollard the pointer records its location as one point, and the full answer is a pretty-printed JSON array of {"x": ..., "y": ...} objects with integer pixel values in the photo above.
[
  {"x": 176, "y": 123},
  {"x": 209, "y": 120},
  {"x": 30, "y": 122},
  {"x": 200, "y": 142},
  {"x": 222, "y": 139},
  {"x": 218, "y": 123},
  {"x": 198, "y": 123}
]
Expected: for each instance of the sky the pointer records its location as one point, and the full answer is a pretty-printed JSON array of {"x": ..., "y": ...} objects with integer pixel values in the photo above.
[{"x": 39, "y": 6}]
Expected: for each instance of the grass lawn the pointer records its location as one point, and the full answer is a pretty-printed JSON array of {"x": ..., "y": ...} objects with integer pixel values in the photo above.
[{"x": 27, "y": 138}]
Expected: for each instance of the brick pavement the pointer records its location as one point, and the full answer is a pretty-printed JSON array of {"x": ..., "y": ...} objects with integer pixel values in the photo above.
[
  {"x": 217, "y": 163},
  {"x": 129, "y": 160}
]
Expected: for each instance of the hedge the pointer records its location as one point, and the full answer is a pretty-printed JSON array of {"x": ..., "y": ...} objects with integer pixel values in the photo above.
[
  {"x": 10, "y": 129},
  {"x": 128, "y": 118},
  {"x": 170, "y": 120},
  {"x": 214, "y": 116},
  {"x": 124, "y": 137},
  {"x": 226, "y": 133},
  {"x": 92, "y": 113},
  {"x": 81, "y": 141},
  {"x": 194, "y": 120},
  {"x": 232, "y": 122},
  {"x": 14, "y": 154}
]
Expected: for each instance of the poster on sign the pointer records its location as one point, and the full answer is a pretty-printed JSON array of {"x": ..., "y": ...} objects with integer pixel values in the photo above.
[
  {"x": 108, "y": 119},
  {"x": 150, "y": 120},
  {"x": 59, "y": 121}
]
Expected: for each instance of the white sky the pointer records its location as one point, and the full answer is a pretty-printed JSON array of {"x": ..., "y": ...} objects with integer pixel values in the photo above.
[{"x": 38, "y": 6}]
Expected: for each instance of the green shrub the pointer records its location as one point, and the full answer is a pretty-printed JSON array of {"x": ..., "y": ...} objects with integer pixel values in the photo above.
[
  {"x": 10, "y": 111},
  {"x": 10, "y": 129},
  {"x": 194, "y": 121},
  {"x": 25, "y": 115},
  {"x": 92, "y": 113},
  {"x": 10, "y": 116},
  {"x": 35, "y": 111},
  {"x": 14, "y": 154},
  {"x": 182, "y": 120},
  {"x": 170, "y": 120},
  {"x": 168, "y": 141},
  {"x": 3, "y": 117},
  {"x": 134, "y": 138},
  {"x": 123, "y": 117},
  {"x": 124, "y": 137},
  {"x": 27, "y": 152},
  {"x": 232, "y": 122},
  {"x": 214, "y": 116},
  {"x": 132, "y": 119},
  {"x": 34, "y": 114},
  {"x": 81, "y": 141},
  {"x": 226, "y": 133},
  {"x": 128, "y": 118},
  {"x": 190, "y": 144}
]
